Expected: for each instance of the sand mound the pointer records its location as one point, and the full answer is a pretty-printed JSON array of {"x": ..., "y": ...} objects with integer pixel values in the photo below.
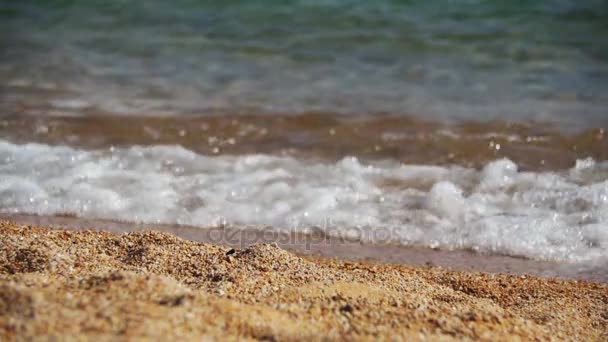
[{"x": 64, "y": 284}]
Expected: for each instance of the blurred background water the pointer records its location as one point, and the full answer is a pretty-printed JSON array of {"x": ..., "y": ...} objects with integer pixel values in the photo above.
[{"x": 445, "y": 60}]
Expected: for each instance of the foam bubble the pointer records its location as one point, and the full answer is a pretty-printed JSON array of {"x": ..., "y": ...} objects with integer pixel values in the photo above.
[
  {"x": 497, "y": 175},
  {"x": 552, "y": 215},
  {"x": 445, "y": 199}
]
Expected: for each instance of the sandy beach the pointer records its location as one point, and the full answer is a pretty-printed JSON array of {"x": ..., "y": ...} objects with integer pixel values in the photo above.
[
  {"x": 303, "y": 170},
  {"x": 150, "y": 285}
]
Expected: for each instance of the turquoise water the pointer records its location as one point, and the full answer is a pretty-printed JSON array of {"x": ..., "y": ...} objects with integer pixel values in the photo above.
[{"x": 445, "y": 60}]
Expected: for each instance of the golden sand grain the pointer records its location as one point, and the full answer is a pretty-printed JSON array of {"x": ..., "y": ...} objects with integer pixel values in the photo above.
[{"x": 94, "y": 285}]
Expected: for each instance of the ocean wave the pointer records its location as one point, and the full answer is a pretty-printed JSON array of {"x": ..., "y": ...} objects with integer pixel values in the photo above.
[{"x": 560, "y": 215}]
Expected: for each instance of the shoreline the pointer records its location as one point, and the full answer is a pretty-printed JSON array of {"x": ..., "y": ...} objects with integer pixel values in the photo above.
[
  {"x": 321, "y": 246},
  {"x": 74, "y": 284}
]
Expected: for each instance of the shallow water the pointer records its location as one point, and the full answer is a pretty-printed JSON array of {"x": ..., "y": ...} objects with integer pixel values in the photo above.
[
  {"x": 323, "y": 136},
  {"x": 446, "y": 60},
  {"x": 461, "y": 125},
  {"x": 559, "y": 215}
]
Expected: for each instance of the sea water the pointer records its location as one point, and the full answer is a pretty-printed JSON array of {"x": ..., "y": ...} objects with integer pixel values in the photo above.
[
  {"x": 477, "y": 125},
  {"x": 559, "y": 215}
]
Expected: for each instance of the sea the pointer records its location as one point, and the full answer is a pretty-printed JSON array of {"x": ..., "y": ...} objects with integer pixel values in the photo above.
[{"x": 457, "y": 125}]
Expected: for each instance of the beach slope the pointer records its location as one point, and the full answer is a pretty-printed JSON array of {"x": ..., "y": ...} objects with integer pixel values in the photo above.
[{"x": 151, "y": 285}]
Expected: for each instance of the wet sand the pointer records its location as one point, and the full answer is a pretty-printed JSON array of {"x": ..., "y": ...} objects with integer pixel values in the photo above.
[
  {"x": 319, "y": 245},
  {"x": 151, "y": 285}
]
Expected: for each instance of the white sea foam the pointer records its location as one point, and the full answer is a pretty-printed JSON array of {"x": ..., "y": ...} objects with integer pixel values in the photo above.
[{"x": 553, "y": 215}]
